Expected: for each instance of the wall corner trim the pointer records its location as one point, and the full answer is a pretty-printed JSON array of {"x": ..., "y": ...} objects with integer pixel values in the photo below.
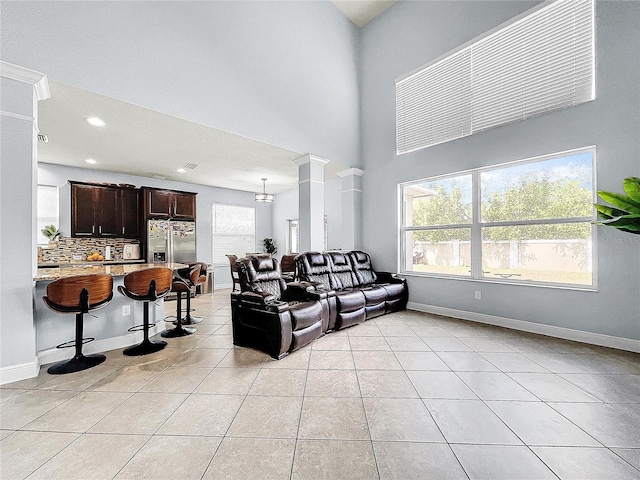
[
  {"x": 599, "y": 339},
  {"x": 350, "y": 171},
  {"x": 21, "y": 74},
  {"x": 308, "y": 158}
]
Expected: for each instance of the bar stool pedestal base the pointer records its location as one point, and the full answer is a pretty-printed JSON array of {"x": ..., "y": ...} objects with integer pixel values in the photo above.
[
  {"x": 76, "y": 364},
  {"x": 144, "y": 348}
]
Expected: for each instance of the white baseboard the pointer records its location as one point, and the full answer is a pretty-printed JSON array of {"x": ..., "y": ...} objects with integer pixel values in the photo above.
[
  {"x": 221, "y": 286},
  {"x": 15, "y": 373},
  {"x": 600, "y": 339}
]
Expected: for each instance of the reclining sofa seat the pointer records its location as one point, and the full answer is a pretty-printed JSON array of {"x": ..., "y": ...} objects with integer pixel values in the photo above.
[
  {"x": 271, "y": 315},
  {"x": 360, "y": 292}
]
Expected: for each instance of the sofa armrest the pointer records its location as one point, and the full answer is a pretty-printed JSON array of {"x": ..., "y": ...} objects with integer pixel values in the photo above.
[
  {"x": 262, "y": 298},
  {"x": 306, "y": 291},
  {"x": 388, "y": 277}
]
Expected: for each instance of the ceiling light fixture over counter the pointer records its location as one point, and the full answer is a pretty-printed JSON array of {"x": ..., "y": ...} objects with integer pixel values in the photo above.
[
  {"x": 264, "y": 197},
  {"x": 91, "y": 161},
  {"x": 95, "y": 121},
  {"x": 181, "y": 170}
]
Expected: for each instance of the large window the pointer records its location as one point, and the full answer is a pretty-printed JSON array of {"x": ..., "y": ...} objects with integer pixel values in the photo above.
[
  {"x": 527, "y": 221},
  {"x": 234, "y": 231},
  {"x": 537, "y": 63},
  {"x": 48, "y": 211}
]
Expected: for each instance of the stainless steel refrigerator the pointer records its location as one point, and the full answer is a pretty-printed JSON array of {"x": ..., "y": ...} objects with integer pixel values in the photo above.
[{"x": 170, "y": 241}]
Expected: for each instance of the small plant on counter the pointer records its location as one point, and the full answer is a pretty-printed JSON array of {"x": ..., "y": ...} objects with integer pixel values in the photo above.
[
  {"x": 626, "y": 215},
  {"x": 269, "y": 246},
  {"x": 51, "y": 232}
]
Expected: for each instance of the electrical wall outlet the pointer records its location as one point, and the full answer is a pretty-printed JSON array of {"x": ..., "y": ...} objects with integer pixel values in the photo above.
[
  {"x": 478, "y": 295},
  {"x": 126, "y": 310}
]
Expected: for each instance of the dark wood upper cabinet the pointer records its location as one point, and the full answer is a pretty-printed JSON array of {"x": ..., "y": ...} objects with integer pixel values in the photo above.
[
  {"x": 169, "y": 204},
  {"x": 130, "y": 202},
  {"x": 184, "y": 206},
  {"x": 158, "y": 203},
  {"x": 104, "y": 211},
  {"x": 82, "y": 211}
]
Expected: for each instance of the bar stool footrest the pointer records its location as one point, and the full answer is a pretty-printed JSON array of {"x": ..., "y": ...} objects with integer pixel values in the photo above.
[{"x": 72, "y": 343}]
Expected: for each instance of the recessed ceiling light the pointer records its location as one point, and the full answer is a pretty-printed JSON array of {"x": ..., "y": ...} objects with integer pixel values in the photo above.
[
  {"x": 181, "y": 170},
  {"x": 95, "y": 121},
  {"x": 91, "y": 161}
]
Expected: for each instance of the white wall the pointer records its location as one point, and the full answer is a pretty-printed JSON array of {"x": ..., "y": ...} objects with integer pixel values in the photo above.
[
  {"x": 411, "y": 34},
  {"x": 206, "y": 196},
  {"x": 284, "y": 73}
]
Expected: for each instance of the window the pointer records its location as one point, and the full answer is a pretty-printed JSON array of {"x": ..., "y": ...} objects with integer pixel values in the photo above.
[
  {"x": 537, "y": 63},
  {"x": 47, "y": 210},
  {"x": 293, "y": 236},
  {"x": 527, "y": 221},
  {"x": 234, "y": 231}
]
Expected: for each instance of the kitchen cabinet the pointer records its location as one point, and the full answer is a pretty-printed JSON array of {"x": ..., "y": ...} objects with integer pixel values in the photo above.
[
  {"x": 130, "y": 207},
  {"x": 104, "y": 211},
  {"x": 169, "y": 204}
]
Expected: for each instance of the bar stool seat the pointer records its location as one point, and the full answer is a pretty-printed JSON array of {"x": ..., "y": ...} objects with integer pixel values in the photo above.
[
  {"x": 79, "y": 295},
  {"x": 146, "y": 286}
]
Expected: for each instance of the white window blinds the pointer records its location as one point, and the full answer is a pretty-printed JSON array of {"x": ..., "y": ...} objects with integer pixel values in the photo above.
[
  {"x": 234, "y": 231},
  {"x": 541, "y": 62}
]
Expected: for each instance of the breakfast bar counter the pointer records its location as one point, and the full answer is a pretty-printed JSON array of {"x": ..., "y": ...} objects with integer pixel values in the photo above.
[
  {"x": 109, "y": 325},
  {"x": 54, "y": 273}
]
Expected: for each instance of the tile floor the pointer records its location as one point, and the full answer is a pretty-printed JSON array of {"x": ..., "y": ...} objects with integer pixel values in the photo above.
[{"x": 404, "y": 396}]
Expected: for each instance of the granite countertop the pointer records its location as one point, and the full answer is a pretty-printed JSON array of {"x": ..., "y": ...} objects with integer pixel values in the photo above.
[
  {"x": 47, "y": 274},
  {"x": 73, "y": 263}
]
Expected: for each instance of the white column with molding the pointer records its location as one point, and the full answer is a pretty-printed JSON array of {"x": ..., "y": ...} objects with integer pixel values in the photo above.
[
  {"x": 311, "y": 202},
  {"x": 351, "y": 208},
  {"x": 21, "y": 90}
]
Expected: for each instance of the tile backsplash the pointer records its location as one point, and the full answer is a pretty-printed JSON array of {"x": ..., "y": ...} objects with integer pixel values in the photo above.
[{"x": 70, "y": 249}]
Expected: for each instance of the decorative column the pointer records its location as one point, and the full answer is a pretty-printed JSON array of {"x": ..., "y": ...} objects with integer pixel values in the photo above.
[
  {"x": 311, "y": 202},
  {"x": 21, "y": 90},
  {"x": 351, "y": 208}
]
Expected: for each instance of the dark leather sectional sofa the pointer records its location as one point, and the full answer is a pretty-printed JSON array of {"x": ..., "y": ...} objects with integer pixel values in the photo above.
[{"x": 334, "y": 290}]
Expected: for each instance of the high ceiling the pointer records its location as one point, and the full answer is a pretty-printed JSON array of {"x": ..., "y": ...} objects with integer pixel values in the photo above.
[{"x": 146, "y": 143}]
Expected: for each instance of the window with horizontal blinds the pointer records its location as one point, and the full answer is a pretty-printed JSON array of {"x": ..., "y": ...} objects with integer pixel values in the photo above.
[
  {"x": 234, "y": 231},
  {"x": 538, "y": 63}
]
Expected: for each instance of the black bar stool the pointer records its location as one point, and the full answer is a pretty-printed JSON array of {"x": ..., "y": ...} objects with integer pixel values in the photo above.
[
  {"x": 180, "y": 286},
  {"x": 146, "y": 286},
  {"x": 192, "y": 277},
  {"x": 78, "y": 295}
]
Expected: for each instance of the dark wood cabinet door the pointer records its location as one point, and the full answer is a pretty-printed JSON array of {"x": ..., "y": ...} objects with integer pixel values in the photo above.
[
  {"x": 158, "y": 203},
  {"x": 82, "y": 211},
  {"x": 109, "y": 213},
  {"x": 184, "y": 206},
  {"x": 130, "y": 207}
]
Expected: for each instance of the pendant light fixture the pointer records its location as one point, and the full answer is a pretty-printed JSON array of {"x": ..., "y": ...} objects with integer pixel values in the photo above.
[{"x": 264, "y": 197}]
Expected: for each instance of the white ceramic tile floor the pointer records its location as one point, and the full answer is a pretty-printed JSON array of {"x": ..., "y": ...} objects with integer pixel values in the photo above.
[{"x": 406, "y": 395}]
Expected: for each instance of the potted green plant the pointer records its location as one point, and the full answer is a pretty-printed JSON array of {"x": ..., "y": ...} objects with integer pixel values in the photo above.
[
  {"x": 269, "y": 246},
  {"x": 625, "y": 213},
  {"x": 51, "y": 232}
]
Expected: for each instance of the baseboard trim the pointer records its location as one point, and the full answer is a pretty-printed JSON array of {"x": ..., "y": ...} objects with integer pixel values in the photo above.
[
  {"x": 15, "y": 373},
  {"x": 221, "y": 286},
  {"x": 600, "y": 339}
]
